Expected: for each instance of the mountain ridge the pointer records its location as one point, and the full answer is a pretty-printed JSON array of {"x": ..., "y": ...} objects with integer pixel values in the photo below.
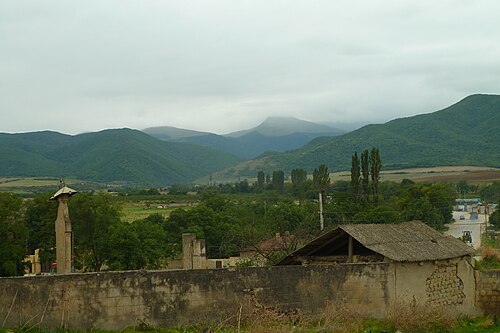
[
  {"x": 274, "y": 134},
  {"x": 465, "y": 133},
  {"x": 123, "y": 155}
]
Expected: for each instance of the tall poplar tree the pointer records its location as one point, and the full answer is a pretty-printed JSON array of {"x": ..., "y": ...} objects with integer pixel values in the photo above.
[
  {"x": 279, "y": 180},
  {"x": 321, "y": 180},
  {"x": 365, "y": 171},
  {"x": 355, "y": 176},
  {"x": 260, "y": 180},
  {"x": 375, "y": 167},
  {"x": 298, "y": 177}
]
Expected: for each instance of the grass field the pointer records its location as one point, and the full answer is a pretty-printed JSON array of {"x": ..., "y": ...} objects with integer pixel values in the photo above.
[
  {"x": 474, "y": 175},
  {"x": 137, "y": 210},
  {"x": 27, "y": 185},
  {"x": 30, "y": 185}
]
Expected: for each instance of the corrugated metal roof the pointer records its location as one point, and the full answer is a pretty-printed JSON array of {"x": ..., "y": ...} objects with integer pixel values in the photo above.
[{"x": 409, "y": 241}]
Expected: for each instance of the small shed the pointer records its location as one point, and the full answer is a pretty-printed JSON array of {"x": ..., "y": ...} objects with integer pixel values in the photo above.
[
  {"x": 355, "y": 243},
  {"x": 425, "y": 266}
]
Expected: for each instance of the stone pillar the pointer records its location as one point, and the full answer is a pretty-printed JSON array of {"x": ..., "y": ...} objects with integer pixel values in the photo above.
[
  {"x": 63, "y": 230},
  {"x": 63, "y": 236},
  {"x": 37, "y": 265},
  {"x": 187, "y": 250},
  {"x": 194, "y": 255},
  {"x": 199, "y": 254}
]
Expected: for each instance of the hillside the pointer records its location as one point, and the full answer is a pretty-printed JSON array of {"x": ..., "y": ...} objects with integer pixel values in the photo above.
[
  {"x": 466, "y": 133},
  {"x": 170, "y": 133},
  {"x": 111, "y": 155},
  {"x": 274, "y": 134}
]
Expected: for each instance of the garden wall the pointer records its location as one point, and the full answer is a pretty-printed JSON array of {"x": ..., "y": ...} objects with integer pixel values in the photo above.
[
  {"x": 488, "y": 291},
  {"x": 115, "y": 300}
]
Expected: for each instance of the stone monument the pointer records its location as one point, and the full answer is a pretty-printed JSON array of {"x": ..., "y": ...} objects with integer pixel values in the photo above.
[{"x": 63, "y": 230}]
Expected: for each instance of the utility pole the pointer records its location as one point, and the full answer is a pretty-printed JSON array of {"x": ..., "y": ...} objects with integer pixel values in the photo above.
[{"x": 321, "y": 221}]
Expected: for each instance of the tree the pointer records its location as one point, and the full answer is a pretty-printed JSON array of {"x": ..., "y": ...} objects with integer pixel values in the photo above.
[
  {"x": 375, "y": 167},
  {"x": 299, "y": 176},
  {"x": 260, "y": 180},
  {"x": 355, "y": 176},
  {"x": 278, "y": 180},
  {"x": 463, "y": 187},
  {"x": 93, "y": 218},
  {"x": 365, "y": 171},
  {"x": 321, "y": 180},
  {"x": 138, "y": 245},
  {"x": 494, "y": 218},
  {"x": 242, "y": 186},
  {"x": 13, "y": 235},
  {"x": 432, "y": 204},
  {"x": 40, "y": 217},
  {"x": 491, "y": 193}
]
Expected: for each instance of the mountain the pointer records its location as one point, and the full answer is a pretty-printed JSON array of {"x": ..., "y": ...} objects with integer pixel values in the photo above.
[
  {"x": 170, "y": 133},
  {"x": 110, "y": 155},
  {"x": 274, "y": 134},
  {"x": 281, "y": 126},
  {"x": 466, "y": 133}
]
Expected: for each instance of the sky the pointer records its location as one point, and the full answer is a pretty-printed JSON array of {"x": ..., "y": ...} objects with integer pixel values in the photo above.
[{"x": 221, "y": 66}]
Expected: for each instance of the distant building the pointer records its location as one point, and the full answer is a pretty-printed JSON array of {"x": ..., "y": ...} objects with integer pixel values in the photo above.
[
  {"x": 261, "y": 252},
  {"x": 466, "y": 205}
]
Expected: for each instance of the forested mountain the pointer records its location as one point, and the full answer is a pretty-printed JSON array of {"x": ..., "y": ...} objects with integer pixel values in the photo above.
[
  {"x": 466, "y": 133},
  {"x": 274, "y": 134},
  {"x": 110, "y": 155}
]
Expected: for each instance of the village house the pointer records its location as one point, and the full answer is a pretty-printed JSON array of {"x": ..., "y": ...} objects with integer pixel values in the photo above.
[{"x": 260, "y": 253}]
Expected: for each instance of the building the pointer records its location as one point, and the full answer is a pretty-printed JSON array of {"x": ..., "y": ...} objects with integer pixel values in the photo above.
[
  {"x": 260, "y": 253},
  {"x": 427, "y": 266}
]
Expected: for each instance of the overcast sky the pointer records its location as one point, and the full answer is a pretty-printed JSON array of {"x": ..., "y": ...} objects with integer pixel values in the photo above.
[{"x": 221, "y": 66}]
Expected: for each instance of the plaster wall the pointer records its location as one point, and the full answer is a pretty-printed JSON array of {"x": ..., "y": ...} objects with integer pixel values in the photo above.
[{"x": 445, "y": 283}]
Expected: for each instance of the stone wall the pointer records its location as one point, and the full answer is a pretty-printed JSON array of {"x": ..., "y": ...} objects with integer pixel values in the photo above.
[
  {"x": 488, "y": 291},
  {"x": 165, "y": 298},
  {"x": 443, "y": 283}
]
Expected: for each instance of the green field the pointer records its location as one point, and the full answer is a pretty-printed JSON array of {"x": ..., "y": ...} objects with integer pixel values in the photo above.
[
  {"x": 472, "y": 174},
  {"x": 27, "y": 185},
  {"x": 137, "y": 210}
]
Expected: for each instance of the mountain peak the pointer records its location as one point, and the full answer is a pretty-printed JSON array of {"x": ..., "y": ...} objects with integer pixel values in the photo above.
[{"x": 280, "y": 126}]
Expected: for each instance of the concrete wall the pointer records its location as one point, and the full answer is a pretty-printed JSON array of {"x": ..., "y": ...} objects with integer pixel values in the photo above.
[
  {"x": 116, "y": 300},
  {"x": 488, "y": 291},
  {"x": 164, "y": 298}
]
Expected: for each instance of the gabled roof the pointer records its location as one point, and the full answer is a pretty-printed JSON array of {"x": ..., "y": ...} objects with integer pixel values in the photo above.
[
  {"x": 63, "y": 190},
  {"x": 409, "y": 241},
  {"x": 276, "y": 243}
]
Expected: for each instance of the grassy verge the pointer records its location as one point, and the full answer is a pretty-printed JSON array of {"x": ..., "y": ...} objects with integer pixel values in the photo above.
[
  {"x": 338, "y": 322},
  {"x": 490, "y": 253}
]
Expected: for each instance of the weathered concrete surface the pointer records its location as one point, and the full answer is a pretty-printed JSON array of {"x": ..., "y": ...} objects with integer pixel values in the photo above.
[
  {"x": 488, "y": 291},
  {"x": 444, "y": 283},
  {"x": 116, "y": 300},
  {"x": 164, "y": 298}
]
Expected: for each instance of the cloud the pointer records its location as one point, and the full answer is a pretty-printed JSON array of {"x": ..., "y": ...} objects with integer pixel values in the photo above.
[{"x": 225, "y": 65}]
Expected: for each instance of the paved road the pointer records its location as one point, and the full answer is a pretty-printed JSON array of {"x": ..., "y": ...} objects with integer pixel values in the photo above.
[{"x": 475, "y": 226}]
